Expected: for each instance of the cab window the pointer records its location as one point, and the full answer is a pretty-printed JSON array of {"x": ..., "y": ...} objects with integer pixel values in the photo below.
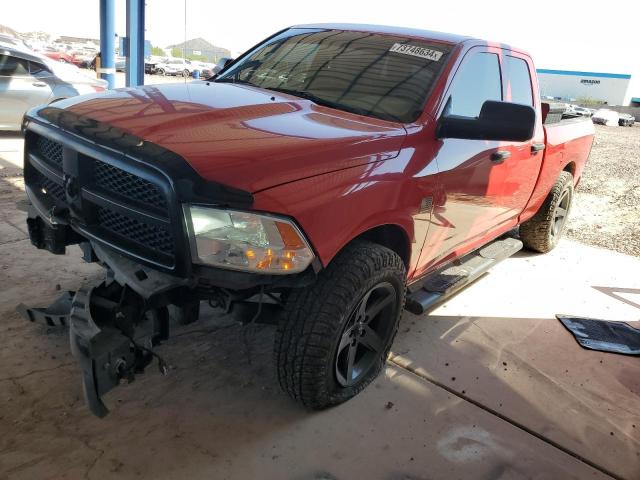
[
  {"x": 519, "y": 80},
  {"x": 477, "y": 80}
]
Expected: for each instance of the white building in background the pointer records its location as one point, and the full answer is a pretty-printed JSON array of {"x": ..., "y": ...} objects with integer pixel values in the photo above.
[{"x": 611, "y": 88}]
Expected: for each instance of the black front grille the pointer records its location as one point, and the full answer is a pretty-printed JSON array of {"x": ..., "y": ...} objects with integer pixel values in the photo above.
[
  {"x": 52, "y": 188},
  {"x": 105, "y": 201},
  {"x": 50, "y": 151},
  {"x": 48, "y": 187},
  {"x": 116, "y": 180},
  {"x": 144, "y": 234}
]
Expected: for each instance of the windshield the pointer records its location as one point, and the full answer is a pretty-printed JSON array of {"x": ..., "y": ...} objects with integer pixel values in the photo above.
[{"x": 370, "y": 74}]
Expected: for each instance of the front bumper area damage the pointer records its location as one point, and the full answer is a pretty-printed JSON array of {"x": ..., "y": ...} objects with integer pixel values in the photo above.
[
  {"x": 115, "y": 324},
  {"x": 120, "y": 199}
]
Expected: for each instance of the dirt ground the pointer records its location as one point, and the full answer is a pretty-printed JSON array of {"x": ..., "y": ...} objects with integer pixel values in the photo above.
[
  {"x": 488, "y": 386},
  {"x": 606, "y": 208}
]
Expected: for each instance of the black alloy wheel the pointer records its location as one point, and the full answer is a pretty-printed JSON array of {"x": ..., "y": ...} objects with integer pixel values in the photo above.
[
  {"x": 366, "y": 334},
  {"x": 334, "y": 335}
]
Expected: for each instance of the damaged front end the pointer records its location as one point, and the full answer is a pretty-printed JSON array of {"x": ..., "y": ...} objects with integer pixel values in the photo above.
[
  {"x": 115, "y": 324},
  {"x": 123, "y": 200}
]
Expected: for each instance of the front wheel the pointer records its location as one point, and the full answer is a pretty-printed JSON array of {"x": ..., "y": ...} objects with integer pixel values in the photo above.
[
  {"x": 543, "y": 231},
  {"x": 335, "y": 335}
]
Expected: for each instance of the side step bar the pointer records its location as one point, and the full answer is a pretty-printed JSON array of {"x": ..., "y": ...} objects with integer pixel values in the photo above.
[{"x": 440, "y": 285}]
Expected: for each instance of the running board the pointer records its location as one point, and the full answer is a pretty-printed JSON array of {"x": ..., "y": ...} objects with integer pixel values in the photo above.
[{"x": 440, "y": 285}]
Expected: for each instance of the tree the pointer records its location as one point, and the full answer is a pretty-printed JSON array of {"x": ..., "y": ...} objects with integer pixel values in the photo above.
[
  {"x": 176, "y": 52},
  {"x": 157, "y": 51}
]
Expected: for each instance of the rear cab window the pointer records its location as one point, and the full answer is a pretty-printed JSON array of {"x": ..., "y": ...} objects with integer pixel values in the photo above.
[{"x": 518, "y": 80}]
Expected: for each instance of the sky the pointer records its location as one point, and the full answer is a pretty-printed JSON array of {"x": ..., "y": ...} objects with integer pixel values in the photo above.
[{"x": 582, "y": 35}]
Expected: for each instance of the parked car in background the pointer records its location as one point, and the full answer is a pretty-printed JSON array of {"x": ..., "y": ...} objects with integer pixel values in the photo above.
[
  {"x": 28, "y": 79},
  {"x": 84, "y": 61},
  {"x": 626, "y": 120},
  {"x": 582, "y": 111},
  {"x": 205, "y": 69},
  {"x": 604, "y": 116},
  {"x": 150, "y": 68},
  {"x": 59, "y": 56},
  {"x": 175, "y": 67},
  {"x": 12, "y": 40},
  {"x": 569, "y": 111}
]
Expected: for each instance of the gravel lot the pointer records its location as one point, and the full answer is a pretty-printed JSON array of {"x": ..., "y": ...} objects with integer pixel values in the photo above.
[{"x": 606, "y": 208}]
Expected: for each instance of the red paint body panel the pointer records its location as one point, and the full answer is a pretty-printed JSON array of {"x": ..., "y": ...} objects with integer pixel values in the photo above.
[
  {"x": 244, "y": 136},
  {"x": 567, "y": 145},
  {"x": 339, "y": 174}
]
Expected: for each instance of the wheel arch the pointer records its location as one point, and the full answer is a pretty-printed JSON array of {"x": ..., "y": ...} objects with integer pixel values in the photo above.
[
  {"x": 390, "y": 235},
  {"x": 571, "y": 168}
]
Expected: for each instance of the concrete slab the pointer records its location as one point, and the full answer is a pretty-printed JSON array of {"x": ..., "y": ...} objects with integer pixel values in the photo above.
[
  {"x": 497, "y": 343},
  {"x": 11, "y": 148},
  {"x": 216, "y": 416}
]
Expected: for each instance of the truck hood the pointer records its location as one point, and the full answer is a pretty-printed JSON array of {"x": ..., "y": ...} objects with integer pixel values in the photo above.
[{"x": 242, "y": 136}]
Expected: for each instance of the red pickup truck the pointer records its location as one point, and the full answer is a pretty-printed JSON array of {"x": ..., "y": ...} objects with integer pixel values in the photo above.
[{"x": 332, "y": 176}]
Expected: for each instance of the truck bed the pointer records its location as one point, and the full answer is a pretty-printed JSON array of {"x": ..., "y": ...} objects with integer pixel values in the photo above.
[{"x": 568, "y": 143}]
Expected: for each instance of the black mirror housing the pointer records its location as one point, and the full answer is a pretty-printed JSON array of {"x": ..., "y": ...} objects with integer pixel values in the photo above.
[{"x": 497, "y": 121}]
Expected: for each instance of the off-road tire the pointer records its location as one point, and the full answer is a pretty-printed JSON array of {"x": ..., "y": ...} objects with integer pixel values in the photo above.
[
  {"x": 314, "y": 318},
  {"x": 537, "y": 233}
]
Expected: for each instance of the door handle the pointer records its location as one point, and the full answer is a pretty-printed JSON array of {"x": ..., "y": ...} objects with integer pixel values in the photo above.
[
  {"x": 500, "y": 156},
  {"x": 536, "y": 147},
  {"x": 39, "y": 84}
]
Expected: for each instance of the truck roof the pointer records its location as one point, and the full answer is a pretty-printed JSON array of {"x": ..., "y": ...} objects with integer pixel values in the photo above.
[{"x": 384, "y": 29}]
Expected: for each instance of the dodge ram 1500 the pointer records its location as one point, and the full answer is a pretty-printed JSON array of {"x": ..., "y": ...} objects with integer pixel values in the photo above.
[{"x": 337, "y": 173}]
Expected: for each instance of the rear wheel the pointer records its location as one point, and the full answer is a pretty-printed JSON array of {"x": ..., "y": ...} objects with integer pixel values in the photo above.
[
  {"x": 335, "y": 335},
  {"x": 543, "y": 231}
]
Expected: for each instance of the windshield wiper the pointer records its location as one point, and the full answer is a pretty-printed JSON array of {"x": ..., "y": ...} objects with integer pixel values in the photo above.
[
  {"x": 320, "y": 101},
  {"x": 234, "y": 80}
]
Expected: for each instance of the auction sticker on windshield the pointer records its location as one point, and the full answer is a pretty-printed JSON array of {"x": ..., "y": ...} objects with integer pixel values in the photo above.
[{"x": 416, "y": 51}]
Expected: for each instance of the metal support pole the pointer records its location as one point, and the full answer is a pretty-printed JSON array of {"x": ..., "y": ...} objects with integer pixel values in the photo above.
[
  {"x": 135, "y": 39},
  {"x": 107, "y": 69}
]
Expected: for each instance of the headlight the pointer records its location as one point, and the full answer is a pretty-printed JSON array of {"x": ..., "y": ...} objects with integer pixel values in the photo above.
[{"x": 246, "y": 241}]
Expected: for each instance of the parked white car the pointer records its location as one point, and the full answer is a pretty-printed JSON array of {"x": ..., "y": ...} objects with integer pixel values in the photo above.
[
  {"x": 582, "y": 111},
  {"x": 607, "y": 117},
  {"x": 175, "y": 67},
  {"x": 28, "y": 79}
]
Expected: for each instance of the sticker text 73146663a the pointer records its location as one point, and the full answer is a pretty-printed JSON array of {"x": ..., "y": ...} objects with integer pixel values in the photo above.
[{"x": 416, "y": 51}]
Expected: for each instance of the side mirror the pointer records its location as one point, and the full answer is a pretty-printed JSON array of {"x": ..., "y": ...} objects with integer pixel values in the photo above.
[{"x": 497, "y": 121}]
